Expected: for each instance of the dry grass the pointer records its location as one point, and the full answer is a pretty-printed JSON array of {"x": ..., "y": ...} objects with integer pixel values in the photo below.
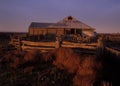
[
  {"x": 88, "y": 72},
  {"x": 86, "y": 68},
  {"x": 66, "y": 59},
  {"x": 31, "y": 55}
]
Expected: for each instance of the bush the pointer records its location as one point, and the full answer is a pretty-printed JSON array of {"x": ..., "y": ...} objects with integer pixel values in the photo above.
[
  {"x": 31, "y": 55},
  {"x": 66, "y": 59},
  {"x": 87, "y": 68},
  {"x": 88, "y": 72}
]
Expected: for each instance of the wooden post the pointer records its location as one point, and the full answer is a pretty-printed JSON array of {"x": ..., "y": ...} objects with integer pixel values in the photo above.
[
  {"x": 19, "y": 43},
  {"x": 105, "y": 83},
  {"x": 11, "y": 39},
  {"x": 22, "y": 45},
  {"x": 100, "y": 46},
  {"x": 58, "y": 41},
  {"x": 75, "y": 31}
]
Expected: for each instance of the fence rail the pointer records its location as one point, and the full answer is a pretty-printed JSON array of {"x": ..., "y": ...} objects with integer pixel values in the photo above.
[
  {"x": 16, "y": 43},
  {"x": 79, "y": 45},
  {"x": 28, "y": 45},
  {"x": 33, "y": 48},
  {"x": 113, "y": 51}
]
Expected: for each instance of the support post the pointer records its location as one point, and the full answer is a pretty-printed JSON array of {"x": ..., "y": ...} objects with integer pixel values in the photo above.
[
  {"x": 58, "y": 41},
  {"x": 100, "y": 46}
]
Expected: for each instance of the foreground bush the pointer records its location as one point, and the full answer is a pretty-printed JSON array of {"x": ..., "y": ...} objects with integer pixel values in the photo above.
[
  {"x": 87, "y": 69},
  {"x": 61, "y": 66}
]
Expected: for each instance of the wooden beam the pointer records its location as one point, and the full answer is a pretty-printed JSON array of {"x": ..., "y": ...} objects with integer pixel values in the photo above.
[
  {"x": 113, "y": 51},
  {"x": 29, "y": 43}
]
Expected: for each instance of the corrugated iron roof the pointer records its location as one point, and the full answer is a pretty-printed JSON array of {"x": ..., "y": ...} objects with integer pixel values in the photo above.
[
  {"x": 68, "y": 22},
  {"x": 40, "y": 25},
  {"x": 74, "y": 23}
]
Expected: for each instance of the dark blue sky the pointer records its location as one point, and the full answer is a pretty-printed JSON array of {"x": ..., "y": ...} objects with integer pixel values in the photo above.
[{"x": 103, "y": 15}]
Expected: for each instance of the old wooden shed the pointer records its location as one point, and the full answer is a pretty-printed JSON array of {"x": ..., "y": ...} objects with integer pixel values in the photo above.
[{"x": 69, "y": 25}]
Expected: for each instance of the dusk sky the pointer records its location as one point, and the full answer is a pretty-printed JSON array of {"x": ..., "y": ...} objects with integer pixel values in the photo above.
[{"x": 16, "y": 15}]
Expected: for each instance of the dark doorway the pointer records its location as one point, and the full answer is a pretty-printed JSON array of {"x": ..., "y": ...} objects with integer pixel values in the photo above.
[
  {"x": 72, "y": 31},
  {"x": 78, "y": 31}
]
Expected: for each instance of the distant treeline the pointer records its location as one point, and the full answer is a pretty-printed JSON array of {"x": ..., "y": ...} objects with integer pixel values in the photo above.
[
  {"x": 6, "y": 35},
  {"x": 110, "y": 36}
]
